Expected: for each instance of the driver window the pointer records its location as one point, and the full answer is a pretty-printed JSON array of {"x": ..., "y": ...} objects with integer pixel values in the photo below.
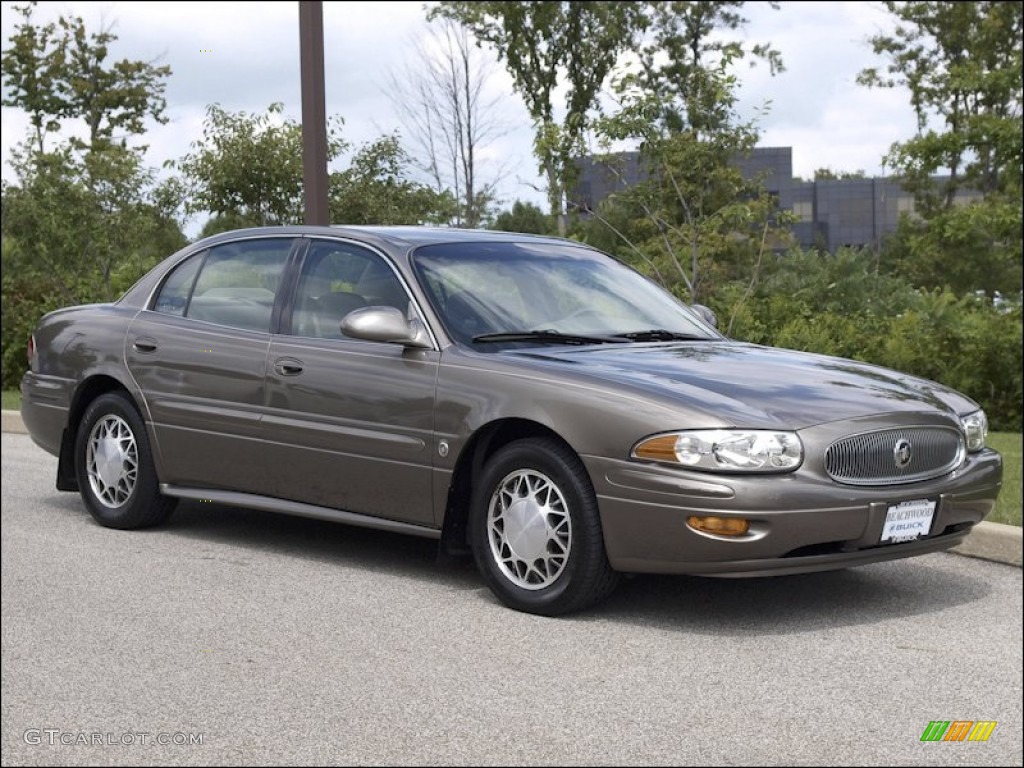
[{"x": 338, "y": 278}]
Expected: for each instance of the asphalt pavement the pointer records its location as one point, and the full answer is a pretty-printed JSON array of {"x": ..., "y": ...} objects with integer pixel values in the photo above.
[{"x": 233, "y": 636}]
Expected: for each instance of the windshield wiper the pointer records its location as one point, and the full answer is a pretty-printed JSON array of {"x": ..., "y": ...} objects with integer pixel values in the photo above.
[
  {"x": 660, "y": 334},
  {"x": 550, "y": 337}
]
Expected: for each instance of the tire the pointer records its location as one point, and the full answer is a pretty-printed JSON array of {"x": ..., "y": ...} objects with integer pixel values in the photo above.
[
  {"x": 114, "y": 466},
  {"x": 535, "y": 530}
]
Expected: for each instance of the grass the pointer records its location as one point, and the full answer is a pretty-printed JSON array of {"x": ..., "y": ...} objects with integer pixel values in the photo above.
[
  {"x": 1007, "y": 510},
  {"x": 11, "y": 399},
  {"x": 1008, "y": 507}
]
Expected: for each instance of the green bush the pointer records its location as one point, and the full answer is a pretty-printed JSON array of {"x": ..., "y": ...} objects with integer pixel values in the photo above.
[{"x": 839, "y": 305}]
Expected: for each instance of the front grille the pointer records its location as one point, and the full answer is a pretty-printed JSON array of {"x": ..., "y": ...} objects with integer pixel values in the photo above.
[{"x": 874, "y": 458}]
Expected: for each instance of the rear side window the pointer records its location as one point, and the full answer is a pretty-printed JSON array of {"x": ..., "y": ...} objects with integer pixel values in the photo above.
[
  {"x": 235, "y": 287},
  {"x": 173, "y": 296}
]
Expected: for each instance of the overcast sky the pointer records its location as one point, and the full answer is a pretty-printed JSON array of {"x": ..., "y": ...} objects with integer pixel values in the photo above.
[{"x": 245, "y": 55}]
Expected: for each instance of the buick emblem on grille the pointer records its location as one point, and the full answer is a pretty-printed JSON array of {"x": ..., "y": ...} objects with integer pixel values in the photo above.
[{"x": 902, "y": 453}]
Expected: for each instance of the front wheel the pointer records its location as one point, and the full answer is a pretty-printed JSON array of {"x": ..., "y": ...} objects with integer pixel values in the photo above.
[
  {"x": 536, "y": 532},
  {"x": 114, "y": 465}
]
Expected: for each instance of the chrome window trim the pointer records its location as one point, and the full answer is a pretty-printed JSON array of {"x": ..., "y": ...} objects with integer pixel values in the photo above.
[{"x": 148, "y": 307}]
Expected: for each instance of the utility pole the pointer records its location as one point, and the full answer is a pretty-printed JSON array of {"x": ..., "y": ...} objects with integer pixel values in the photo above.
[{"x": 314, "y": 112}]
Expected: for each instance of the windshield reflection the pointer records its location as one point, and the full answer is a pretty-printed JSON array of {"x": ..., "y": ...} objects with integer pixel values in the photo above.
[{"x": 538, "y": 291}]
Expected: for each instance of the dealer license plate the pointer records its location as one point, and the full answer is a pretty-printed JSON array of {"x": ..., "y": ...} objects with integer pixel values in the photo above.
[{"x": 908, "y": 520}]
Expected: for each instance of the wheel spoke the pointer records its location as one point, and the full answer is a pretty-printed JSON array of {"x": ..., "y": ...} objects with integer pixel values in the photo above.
[
  {"x": 529, "y": 529},
  {"x": 112, "y": 461}
]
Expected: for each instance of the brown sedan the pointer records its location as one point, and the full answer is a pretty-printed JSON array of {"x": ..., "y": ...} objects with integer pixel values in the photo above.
[{"x": 528, "y": 398}]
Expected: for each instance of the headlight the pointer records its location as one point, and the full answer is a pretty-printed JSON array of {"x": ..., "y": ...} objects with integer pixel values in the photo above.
[
  {"x": 975, "y": 427},
  {"x": 725, "y": 450}
]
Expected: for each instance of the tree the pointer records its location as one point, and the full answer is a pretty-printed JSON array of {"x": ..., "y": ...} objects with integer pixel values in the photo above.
[
  {"x": 966, "y": 248},
  {"x": 376, "y": 189},
  {"x": 523, "y": 217},
  {"x": 440, "y": 97},
  {"x": 247, "y": 171},
  {"x": 85, "y": 223},
  {"x": 83, "y": 219},
  {"x": 539, "y": 41},
  {"x": 686, "y": 49},
  {"x": 699, "y": 221},
  {"x": 77, "y": 227},
  {"x": 827, "y": 174},
  {"x": 839, "y": 304},
  {"x": 32, "y": 66},
  {"x": 962, "y": 63},
  {"x": 59, "y": 71},
  {"x": 249, "y": 166}
]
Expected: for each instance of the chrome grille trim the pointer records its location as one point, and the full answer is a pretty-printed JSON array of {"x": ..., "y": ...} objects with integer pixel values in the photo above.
[{"x": 869, "y": 458}]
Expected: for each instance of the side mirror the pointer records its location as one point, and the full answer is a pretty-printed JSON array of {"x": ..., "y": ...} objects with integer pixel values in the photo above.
[
  {"x": 705, "y": 314},
  {"x": 385, "y": 324}
]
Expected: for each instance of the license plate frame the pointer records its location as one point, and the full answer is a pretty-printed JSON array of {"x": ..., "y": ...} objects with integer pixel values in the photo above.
[{"x": 908, "y": 521}]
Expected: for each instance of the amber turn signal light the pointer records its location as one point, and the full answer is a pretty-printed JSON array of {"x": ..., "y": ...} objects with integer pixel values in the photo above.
[{"x": 723, "y": 526}]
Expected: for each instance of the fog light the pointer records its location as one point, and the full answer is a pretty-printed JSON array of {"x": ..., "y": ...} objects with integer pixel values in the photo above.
[{"x": 723, "y": 526}]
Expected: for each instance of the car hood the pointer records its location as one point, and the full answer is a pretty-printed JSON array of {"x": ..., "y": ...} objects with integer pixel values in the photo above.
[{"x": 738, "y": 384}]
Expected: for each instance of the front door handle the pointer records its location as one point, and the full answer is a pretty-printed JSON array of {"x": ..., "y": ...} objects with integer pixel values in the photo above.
[
  {"x": 288, "y": 367},
  {"x": 144, "y": 344}
]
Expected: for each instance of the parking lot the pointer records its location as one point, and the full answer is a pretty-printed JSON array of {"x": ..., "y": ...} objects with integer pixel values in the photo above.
[{"x": 231, "y": 636}]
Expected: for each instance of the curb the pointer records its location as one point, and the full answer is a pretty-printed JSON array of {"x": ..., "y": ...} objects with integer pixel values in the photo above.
[
  {"x": 12, "y": 423},
  {"x": 988, "y": 541},
  {"x": 993, "y": 541}
]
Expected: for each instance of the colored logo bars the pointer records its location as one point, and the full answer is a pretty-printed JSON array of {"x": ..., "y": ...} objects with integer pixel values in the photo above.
[{"x": 958, "y": 730}]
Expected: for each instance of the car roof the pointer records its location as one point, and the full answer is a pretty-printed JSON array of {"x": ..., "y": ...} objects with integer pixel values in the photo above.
[{"x": 399, "y": 236}]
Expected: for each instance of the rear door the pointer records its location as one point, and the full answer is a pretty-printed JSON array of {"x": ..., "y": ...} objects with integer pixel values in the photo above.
[
  {"x": 198, "y": 355},
  {"x": 349, "y": 423}
]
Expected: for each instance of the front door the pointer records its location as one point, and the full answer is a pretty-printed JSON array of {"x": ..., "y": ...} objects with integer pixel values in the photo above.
[{"x": 349, "y": 423}]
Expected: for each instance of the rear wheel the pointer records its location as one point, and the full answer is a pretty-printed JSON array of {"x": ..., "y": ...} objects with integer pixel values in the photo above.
[
  {"x": 536, "y": 532},
  {"x": 114, "y": 466}
]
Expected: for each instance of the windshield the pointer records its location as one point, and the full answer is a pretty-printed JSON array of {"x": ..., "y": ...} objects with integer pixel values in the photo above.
[{"x": 523, "y": 293}]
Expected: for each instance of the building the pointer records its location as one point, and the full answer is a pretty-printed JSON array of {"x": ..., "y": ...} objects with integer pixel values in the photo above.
[{"x": 832, "y": 212}]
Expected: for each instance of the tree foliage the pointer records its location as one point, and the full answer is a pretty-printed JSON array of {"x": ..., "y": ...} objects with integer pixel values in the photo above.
[
  {"x": 376, "y": 189},
  {"x": 686, "y": 50},
  {"x": 60, "y": 71},
  {"x": 962, "y": 64},
  {"x": 966, "y": 248},
  {"x": 700, "y": 218},
  {"x": 524, "y": 217},
  {"x": 542, "y": 42},
  {"x": 249, "y": 166},
  {"x": 697, "y": 220},
  {"x": 31, "y": 70},
  {"x": 841, "y": 305},
  {"x": 247, "y": 171},
  {"x": 77, "y": 228}
]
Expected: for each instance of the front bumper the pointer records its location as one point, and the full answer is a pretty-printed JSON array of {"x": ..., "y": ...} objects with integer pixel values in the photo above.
[{"x": 799, "y": 522}]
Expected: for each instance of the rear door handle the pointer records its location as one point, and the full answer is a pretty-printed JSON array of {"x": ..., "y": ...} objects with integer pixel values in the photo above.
[
  {"x": 288, "y": 367},
  {"x": 144, "y": 344}
]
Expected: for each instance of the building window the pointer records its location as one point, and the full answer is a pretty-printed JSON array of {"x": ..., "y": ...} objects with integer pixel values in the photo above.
[
  {"x": 804, "y": 210},
  {"x": 904, "y": 204}
]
